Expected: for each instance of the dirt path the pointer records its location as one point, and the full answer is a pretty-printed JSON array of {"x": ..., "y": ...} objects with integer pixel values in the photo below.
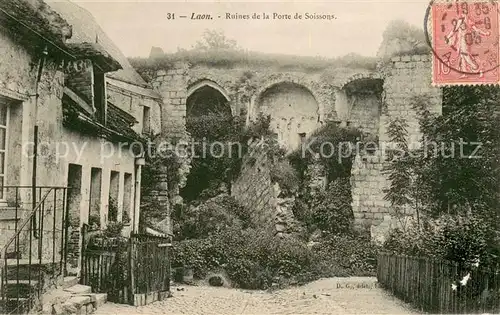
[{"x": 326, "y": 296}]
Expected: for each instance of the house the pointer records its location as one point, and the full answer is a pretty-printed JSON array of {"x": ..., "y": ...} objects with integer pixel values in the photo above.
[
  {"x": 131, "y": 107},
  {"x": 73, "y": 116}
]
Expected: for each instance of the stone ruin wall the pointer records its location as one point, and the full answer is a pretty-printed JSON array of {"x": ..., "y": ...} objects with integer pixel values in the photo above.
[
  {"x": 406, "y": 76},
  {"x": 242, "y": 86},
  {"x": 403, "y": 77},
  {"x": 253, "y": 189},
  {"x": 172, "y": 86}
]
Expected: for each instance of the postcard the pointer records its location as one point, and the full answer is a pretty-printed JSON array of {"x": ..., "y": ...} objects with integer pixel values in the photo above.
[{"x": 249, "y": 157}]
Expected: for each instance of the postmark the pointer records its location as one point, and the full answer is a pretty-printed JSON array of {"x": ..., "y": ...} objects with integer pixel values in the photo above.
[{"x": 465, "y": 42}]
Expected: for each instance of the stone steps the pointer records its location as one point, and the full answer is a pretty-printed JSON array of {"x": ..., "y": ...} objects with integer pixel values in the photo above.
[
  {"x": 21, "y": 284},
  {"x": 64, "y": 295},
  {"x": 22, "y": 270},
  {"x": 75, "y": 299}
]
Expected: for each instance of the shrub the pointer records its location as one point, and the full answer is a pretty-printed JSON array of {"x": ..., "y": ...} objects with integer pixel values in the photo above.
[
  {"x": 286, "y": 176},
  {"x": 338, "y": 163},
  {"x": 210, "y": 216},
  {"x": 346, "y": 255},
  {"x": 290, "y": 257},
  {"x": 252, "y": 259},
  {"x": 460, "y": 239},
  {"x": 192, "y": 254},
  {"x": 329, "y": 210},
  {"x": 114, "y": 229},
  {"x": 94, "y": 221}
]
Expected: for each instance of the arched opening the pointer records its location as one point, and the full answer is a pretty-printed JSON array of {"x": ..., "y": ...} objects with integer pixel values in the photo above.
[
  {"x": 294, "y": 112},
  {"x": 207, "y": 100},
  {"x": 364, "y": 98},
  {"x": 209, "y": 120}
]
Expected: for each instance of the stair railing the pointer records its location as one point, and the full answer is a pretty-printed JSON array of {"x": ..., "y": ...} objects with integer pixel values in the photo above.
[{"x": 40, "y": 240}]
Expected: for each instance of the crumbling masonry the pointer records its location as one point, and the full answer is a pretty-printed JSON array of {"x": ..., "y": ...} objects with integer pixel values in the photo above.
[{"x": 300, "y": 103}]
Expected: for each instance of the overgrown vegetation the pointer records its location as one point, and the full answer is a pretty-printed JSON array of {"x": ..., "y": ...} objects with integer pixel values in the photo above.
[
  {"x": 462, "y": 239},
  {"x": 255, "y": 259},
  {"x": 329, "y": 211},
  {"x": 210, "y": 217},
  {"x": 401, "y": 38},
  {"x": 333, "y": 147},
  {"x": 452, "y": 180},
  {"x": 220, "y": 143},
  {"x": 215, "y": 233},
  {"x": 216, "y": 50}
]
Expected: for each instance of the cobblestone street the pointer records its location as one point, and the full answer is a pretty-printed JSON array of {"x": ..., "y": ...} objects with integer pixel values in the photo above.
[{"x": 326, "y": 296}]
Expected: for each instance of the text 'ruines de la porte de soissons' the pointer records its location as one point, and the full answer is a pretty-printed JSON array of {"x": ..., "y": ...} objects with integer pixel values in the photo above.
[{"x": 280, "y": 16}]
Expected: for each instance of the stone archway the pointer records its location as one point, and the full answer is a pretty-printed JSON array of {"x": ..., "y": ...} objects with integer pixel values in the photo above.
[
  {"x": 323, "y": 95},
  {"x": 209, "y": 119},
  {"x": 207, "y": 97},
  {"x": 294, "y": 111},
  {"x": 359, "y": 102}
]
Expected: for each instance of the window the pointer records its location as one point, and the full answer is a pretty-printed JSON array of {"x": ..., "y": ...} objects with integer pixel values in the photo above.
[
  {"x": 4, "y": 120},
  {"x": 114, "y": 186},
  {"x": 74, "y": 195},
  {"x": 146, "y": 119},
  {"x": 127, "y": 197},
  {"x": 302, "y": 136},
  {"x": 95, "y": 192}
]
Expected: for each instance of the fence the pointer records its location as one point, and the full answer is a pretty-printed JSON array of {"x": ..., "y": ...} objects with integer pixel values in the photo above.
[
  {"x": 105, "y": 267},
  {"x": 134, "y": 272},
  {"x": 150, "y": 268},
  {"x": 435, "y": 286}
]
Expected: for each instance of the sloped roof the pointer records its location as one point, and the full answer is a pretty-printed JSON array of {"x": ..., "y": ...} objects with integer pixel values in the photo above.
[
  {"x": 35, "y": 18},
  {"x": 87, "y": 30},
  {"x": 118, "y": 126},
  {"x": 97, "y": 54}
]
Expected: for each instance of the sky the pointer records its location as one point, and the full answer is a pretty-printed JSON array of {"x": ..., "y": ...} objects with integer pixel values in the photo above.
[{"x": 357, "y": 28}]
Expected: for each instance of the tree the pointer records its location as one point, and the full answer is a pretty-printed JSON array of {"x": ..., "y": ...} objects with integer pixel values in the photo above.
[
  {"x": 468, "y": 133},
  {"x": 402, "y": 38},
  {"x": 402, "y": 171},
  {"x": 456, "y": 170},
  {"x": 215, "y": 40}
]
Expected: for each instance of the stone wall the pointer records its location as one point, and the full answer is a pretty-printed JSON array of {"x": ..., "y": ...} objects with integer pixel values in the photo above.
[
  {"x": 294, "y": 112},
  {"x": 408, "y": 76},
  {"x": 359, "y": 97},
  {"x": 250, "y": 92},
  {"x": 368, "y": 185},
  {"x": 160, "y": 195},
  {"x": 172, "y": 85},
  {"x": 365, "y": 114},
  {"x": 405, "y": 77},
  {"x": 58, "y": 146},
  {"x": 253, "y": 189},
  {"x": 245, "y": 85}
]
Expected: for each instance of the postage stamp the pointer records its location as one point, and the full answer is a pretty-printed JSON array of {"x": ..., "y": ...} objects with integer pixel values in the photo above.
[{"x": 465, "y": 42}]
